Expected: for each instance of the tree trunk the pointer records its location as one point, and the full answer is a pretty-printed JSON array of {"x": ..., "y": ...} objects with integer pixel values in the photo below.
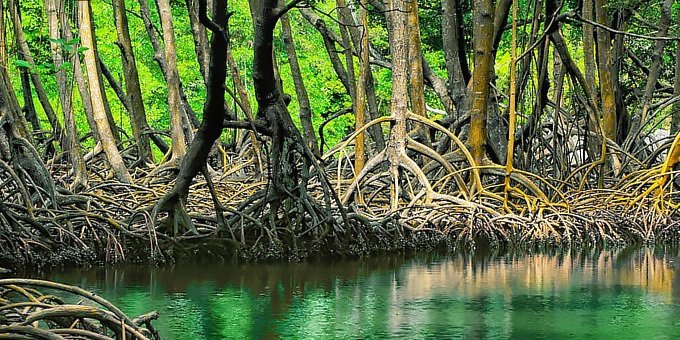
[
  {"x": 100, "y": 117},
  {"x": 55, "y": 12},
  {"x": 172, "y": 76},
  {"x": 79, "y": 77},
  {"x": 399, "y": 108},
  {"x": 209, "y": 130},
  {"x": 288, "y": 190},
  {"x": 132, "y": 87},
  {"x": 355, "y": 32},
  {"x": 300, "y": 89},
  {"x": 483, "y": 43},
  {"x": 589, "y": 48},
  {"x": 159, "y": 57},
  {"x": 200, "y": 38},
  {"x": 362, "y": 82},
  {"x": 20, "y": 123},
  {"x": 25, "y": 53},
  {"x": 675, "y": 120},
  {"x": 3, "y": 36},
  {"x": 454, "y": 54},
  {"x": 415, "y": 61},
  {"x": 640, "y": 117},
  {"x": 605, "y": 72},
  {"x": 29, "y": 107}
]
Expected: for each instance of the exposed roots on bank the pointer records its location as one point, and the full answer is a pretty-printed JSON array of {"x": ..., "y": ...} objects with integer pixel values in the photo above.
[{"x": 424, "y": 201}]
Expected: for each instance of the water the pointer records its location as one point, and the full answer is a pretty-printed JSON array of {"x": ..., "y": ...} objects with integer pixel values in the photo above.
[{"x": 624, "y": 294}]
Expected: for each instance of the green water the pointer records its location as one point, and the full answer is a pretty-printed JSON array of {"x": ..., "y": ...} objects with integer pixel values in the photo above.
[{"x": 625, "y": 294}]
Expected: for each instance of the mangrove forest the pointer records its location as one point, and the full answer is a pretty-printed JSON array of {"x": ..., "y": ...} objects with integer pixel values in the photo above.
[{"x": 284, "y": 131}]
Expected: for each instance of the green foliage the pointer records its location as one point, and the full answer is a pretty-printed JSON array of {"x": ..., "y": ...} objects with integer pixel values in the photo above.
[{"x": 327, "y": 94}]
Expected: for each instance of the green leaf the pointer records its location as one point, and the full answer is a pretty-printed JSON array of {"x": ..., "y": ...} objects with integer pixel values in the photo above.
[
  {"x": 58, "y": 41},
  {"x": 82, "y": 49},
  {"x": 22, "y": 63},
  {"x": 66, "y": 66}
]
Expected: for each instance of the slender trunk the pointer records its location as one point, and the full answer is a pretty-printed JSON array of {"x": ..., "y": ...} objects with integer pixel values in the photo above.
[
  {"x": 396, "y": 149},
  {"x": 558, "y": 150},
  {"x": 360, "y": 109},
  {"x": 483, "y": 43},
  {"x": 25, "y": 53},
  {"x": 618, "y": 57},
  {"x": 159, "y": 57},
  {"x": 83, "y": 88},
  {"x": 29, "y": 108},
  {"x": 605, "y": 71},
  {"x": 356, "y": 33},
  {"x": 172, "y": 77},
  {"x": 200, "y": 38},
  {"x": 3, "y": 36},
  {"x": 132, "y": 86},
  {"x": 242, "y": 92},
  {"x": 345, "y": 20},
  {"x": 454, "y": 54},
  {"x": 529, "y": 130},
  {"x": 330, "y": 40},
  {"x": 100, "y": 118},
  {"x": 116, "y": 86},
  {"x": 300, "y": 89},
  {"x": 55, "y": 9},
  {"x": 20, "y": 125},
  {"x": 675, "y": 120},
  {"x": 415, "y": 60},
  {"x": 589, "y": 48},
  {"x": 102, "y": 88},
  {"x": 654, "y": 71},
  {"x": 213, "y": 115}
]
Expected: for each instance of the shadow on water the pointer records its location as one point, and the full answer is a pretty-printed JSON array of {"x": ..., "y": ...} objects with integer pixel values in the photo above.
[{"x": 625, "y": 293}]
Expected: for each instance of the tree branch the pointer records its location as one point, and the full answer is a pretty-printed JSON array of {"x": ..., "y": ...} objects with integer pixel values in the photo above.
[
  {"x": 281, "y": 10},
  {"x": 576, "y": 17}
]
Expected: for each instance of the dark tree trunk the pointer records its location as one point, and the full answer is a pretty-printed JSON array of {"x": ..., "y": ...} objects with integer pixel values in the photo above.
[
  {"x": 300, "y": 89},
  {"x": 209, "y": 130},
  {"x": 29, "y": 108}
]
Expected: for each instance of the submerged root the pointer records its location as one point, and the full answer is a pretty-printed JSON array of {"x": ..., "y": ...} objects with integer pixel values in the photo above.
[{"x": 25, "y": 312}]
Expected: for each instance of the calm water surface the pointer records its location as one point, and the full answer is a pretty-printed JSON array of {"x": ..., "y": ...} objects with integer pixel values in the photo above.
[{"x": 624, "y": 294}]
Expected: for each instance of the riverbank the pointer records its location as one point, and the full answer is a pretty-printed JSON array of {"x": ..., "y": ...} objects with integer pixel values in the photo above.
[
  {"x": 110, "y": 222},
  {"x": 117, "y": 242}
]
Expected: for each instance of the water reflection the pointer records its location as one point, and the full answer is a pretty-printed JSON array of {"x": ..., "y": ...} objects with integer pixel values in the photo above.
[{"x": 629, "y": 293}]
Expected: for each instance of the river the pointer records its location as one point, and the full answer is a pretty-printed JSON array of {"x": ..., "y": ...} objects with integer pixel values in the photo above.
[{"x": 623, "y": 294}]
